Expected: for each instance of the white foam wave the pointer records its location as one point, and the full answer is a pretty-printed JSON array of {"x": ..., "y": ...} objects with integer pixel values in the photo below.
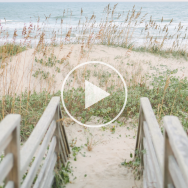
[{"x": 3, "y": 20}]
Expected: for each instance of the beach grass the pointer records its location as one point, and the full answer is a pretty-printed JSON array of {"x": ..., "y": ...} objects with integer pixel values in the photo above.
[
  {"x": 8, "y": 50},
  {"x": 167, "y": 97}
]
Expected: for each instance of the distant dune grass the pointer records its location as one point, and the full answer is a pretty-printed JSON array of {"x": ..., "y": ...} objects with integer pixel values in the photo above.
[{"x": 8, "y": 50}]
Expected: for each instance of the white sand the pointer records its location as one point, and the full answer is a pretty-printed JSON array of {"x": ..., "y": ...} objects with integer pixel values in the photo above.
[{"x": 102, "y": 166}]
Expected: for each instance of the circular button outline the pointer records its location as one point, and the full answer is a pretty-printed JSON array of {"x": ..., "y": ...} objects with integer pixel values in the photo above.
[{"x": 86, "y": 63}]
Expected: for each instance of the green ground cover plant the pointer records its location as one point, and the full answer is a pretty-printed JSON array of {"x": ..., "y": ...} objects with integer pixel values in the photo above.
[{"x": 168, "y": 96}]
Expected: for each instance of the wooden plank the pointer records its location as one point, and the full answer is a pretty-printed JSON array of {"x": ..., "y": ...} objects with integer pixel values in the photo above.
[
  {"x": 10, "y": 184},
  {"x": 36, "y": 136},
  {"x": 14, "y": 148},
  {"x": 149, "y": 166},
  {"x": 140, "y": 135},
  {"x": 33, "y": 170},
  {"x": 51, "y": 181},
  {"x": 146, "y": 165},
  {"x": 56, "y": 134},
  {"x": 62, "y": 155},
  {"x": 154, "y": 129},
  {"x": 62, "y": 144},
  {"x": 176, "y": 174},
  {"x": 48, "y": 183},
  {"x": 64, "y": 132},
  {"x": 144, "y": 179},
  {"x": 46, "y": 163},
  {"x": 151, "y": 150},
  {"x": 140, "y": 124},
  {"x": 5, "y": 166},
  {"x": 48, "y": 170},
  {"x": 179, "y": 143},
  {"x": 62, "y": 135},
  {"x": 7, "y": 125},
  {"x": 5, "y": 143},
  {"x": 170, "y": 186},
  {"x": 141, "y": 148},
  {"x": 167, "y": 179}
]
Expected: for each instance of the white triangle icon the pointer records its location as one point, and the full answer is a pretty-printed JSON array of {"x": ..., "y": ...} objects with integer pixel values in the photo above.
[{"x": 93, "y": 94}]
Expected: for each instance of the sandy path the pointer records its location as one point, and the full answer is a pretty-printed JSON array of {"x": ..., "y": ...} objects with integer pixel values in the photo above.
[{"x": 102, "y": 167}]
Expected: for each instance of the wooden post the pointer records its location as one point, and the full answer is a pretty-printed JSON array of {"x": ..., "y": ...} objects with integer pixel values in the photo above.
[
  {"x": 14, "y": 148},
  {"x": 140, "y": 135},
  {"x": 62, "y": 140},
  {"x": 167, "y": 180},
  {"x": 62, "y": 127},
  {"x": 56, "y": 134}
]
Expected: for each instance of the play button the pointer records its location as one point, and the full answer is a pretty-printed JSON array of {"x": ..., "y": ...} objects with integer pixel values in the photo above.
[
  {"x": 93, "y": 94},
  {"x": 84, "y": 97}
]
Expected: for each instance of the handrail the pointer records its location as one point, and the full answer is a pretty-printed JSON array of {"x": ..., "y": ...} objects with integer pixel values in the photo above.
[
  {"x": 33, "y": 170},
  {"x": 10, "y": 143},
  {"x": 176, "y": 152},
  {"x": 148, "y": 130},
  {"x": 165, "y": 163},
  {"x": 38, "y": 133},
  {"x": 151, "y": 162},
  {"x": 147, "y": 114},
  {"x": 48, "y": 128}
]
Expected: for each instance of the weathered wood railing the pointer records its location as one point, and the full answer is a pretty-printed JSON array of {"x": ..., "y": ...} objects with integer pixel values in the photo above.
[
  {"x": 9, "y": 142},
  {"x": 149, "y": 137},
  {"x": 165, "y": 163},
  {"x": 176, "y": 154},
  {"x": 16, "y": 163}
]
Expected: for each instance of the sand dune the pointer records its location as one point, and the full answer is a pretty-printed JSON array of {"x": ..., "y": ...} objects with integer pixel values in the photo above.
[{"x": 18, "y": 74}]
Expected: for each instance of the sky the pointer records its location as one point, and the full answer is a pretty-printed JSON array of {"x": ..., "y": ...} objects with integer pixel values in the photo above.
[{"x": 92, "y": 1}]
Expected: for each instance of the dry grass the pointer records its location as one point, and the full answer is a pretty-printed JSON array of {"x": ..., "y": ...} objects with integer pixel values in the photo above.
[{"x": 90, "y": 144}]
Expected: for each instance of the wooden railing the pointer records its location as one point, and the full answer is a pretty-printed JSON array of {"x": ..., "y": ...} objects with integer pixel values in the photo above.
[
  {"x": 165, "y": 163},
  {"x": 17, "y": 162},
  {"x": 176, "y": 154},
  {"x": 149, "y": 137},
  {"x": 9, "y": 143}
]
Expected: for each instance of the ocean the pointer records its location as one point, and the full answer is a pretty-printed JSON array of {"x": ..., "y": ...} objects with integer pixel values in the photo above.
[{"x": 49, "y": 16}]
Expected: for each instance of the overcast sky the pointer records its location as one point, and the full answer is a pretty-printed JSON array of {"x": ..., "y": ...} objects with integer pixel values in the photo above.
[{"x": 92, "y": 1}]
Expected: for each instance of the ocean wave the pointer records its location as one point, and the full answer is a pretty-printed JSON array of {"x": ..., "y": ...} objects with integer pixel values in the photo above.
[
  {"x": 64, "y": 16},
  {"x": 3, "y": 20}
]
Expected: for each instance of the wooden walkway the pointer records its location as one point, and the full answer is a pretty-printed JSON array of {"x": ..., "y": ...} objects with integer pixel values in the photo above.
[{"x": 164, "y": 165}]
